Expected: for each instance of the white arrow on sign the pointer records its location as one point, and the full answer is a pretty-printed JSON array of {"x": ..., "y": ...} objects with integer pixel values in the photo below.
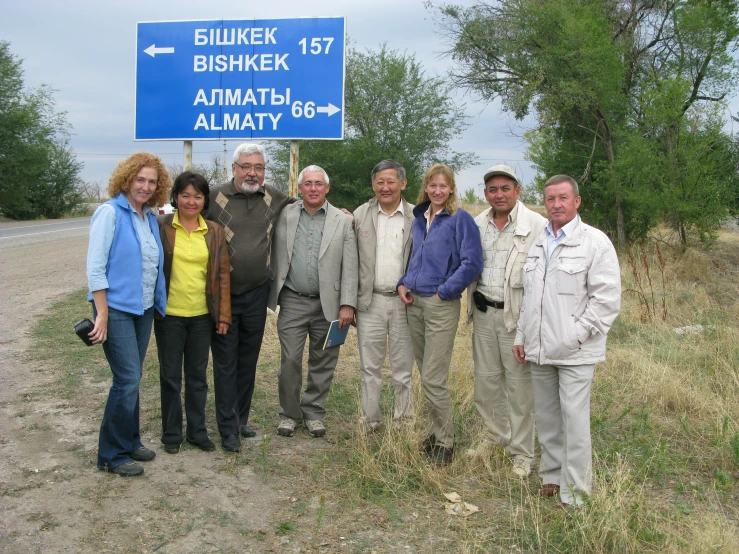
[
  {"x": 153, "y": 50},
  {"x": 330, "y": 109}
]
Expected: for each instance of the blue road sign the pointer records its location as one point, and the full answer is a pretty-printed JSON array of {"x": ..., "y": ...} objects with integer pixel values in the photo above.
[{"x": 240, "y": 79}]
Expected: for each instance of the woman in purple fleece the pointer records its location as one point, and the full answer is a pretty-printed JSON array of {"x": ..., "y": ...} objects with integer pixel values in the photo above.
[{"x": 446, "y": 258}]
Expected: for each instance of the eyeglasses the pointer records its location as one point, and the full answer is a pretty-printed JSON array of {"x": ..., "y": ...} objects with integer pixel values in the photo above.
[
  {"x": 249, "y": 167},
  {"x": 313, "y": 184}
]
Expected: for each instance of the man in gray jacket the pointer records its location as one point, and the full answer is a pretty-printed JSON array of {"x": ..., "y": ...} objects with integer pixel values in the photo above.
[
  {"x": 503, "y": 393},
  {"x": 572, "y": 295},
  {"x": 383, "y": 229},
  {"x": 315, "y": 259}
]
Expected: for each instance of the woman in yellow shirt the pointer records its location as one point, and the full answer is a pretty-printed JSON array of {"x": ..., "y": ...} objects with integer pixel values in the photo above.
[{"x": 197, "y": 273}]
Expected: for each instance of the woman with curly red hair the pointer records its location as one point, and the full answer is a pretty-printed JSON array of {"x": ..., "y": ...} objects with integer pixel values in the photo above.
[{"x": 126, "y": 285}]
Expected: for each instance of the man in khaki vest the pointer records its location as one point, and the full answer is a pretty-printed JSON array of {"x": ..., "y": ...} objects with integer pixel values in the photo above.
[
  {"x": 383, "y": 229},
  {"x": 503, "y": 393}
]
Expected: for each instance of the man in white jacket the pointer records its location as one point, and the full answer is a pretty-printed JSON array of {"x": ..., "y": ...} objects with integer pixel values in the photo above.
[
  {"x": 503, "y": 393},
  {"x": 572, "y": 295}
]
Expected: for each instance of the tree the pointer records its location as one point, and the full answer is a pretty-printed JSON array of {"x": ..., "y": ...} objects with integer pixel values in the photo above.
[
  {"x": 596, "y": 74},
  {"x": 393, "y": 110},
  {"x": 38, "y": 167}
]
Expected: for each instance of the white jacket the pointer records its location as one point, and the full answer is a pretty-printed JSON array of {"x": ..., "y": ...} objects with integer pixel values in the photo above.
[
  {"x": 529, "y": 226},
  {"x": 569, "y": 306}
]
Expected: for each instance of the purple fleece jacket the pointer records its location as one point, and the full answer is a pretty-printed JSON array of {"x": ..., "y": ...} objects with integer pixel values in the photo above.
[{"x": 447, "y": 259}]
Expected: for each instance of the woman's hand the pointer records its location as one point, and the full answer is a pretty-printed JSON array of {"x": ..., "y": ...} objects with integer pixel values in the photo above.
[
  {"x": 405, "y": 295},
  {"x": 222, "y": 328},
  {"x": 99, "y": 333}
]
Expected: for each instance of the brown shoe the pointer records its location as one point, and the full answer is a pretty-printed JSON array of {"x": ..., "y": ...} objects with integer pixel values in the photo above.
[{"x": 548, "y": 489}]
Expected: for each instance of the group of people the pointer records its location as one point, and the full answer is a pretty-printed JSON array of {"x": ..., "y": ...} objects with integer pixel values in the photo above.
[{"x": 541, "y": 296}]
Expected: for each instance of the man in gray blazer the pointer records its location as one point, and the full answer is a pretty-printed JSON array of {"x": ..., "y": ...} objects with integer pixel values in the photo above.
[
  {"x": 383, "y": 228},
  {"x": 315, "y": 262}
]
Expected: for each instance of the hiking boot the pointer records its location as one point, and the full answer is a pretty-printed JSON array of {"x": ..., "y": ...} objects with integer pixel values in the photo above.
[
  {"x": 142, "y": 454},
  {"x": 315, "y": 427},
  {"x": 442, "y": 456},
  {"x": 129, "y": 469},
  {"x": 429, "y": 444},
  {"x": 286, "y": 428}
]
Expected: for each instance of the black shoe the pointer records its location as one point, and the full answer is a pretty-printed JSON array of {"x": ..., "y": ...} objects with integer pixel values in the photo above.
[
  {"x": 172, "y": 448},
  {"x": 129, "y": 469},
  {"x": 143, "y": 454},
  {"x": 442, "y": 456},
  {"x": 206, "y": 445},
  {"x": 429, "y": 444},
  {"x": 247, "y": 431},
  {"x": 231, "y": 443}
]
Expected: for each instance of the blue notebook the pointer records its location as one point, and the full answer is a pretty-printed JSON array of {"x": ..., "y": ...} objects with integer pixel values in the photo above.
[{"x": 336, "y": 336}]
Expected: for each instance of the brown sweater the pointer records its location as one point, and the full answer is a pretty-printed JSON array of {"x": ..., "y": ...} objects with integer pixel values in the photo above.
[{"x": 249, "y": 222}]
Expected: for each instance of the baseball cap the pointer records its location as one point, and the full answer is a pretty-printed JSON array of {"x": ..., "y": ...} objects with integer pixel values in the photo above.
[{"x": 501, "y": 169}]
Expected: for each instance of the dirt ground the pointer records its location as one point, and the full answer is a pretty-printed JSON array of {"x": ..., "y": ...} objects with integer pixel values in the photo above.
[{"x": 52, "y": 499}]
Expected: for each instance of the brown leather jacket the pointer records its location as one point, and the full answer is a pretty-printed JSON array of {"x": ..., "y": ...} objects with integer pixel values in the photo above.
[{"x": 218, "y": 280}]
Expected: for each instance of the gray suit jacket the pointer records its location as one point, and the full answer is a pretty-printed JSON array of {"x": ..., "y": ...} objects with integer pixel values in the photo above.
[
  {"x": 365, "y": 222},
  {"x": 337, "y": 259}
]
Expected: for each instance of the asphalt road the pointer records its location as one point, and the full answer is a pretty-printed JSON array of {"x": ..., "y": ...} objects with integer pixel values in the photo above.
[{"x": 24, "y": 233}]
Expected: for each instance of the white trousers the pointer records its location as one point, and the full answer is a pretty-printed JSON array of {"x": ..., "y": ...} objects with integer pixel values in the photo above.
[
  {"x": 503, "y": 394},
  {"x": 385, "y": 322},
  {"x": 562, "y": 404}
]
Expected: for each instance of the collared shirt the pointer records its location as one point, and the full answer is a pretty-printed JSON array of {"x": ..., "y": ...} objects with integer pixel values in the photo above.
[
  {"x": 496, "y": 246},
  {"x": 564, "y": 232},
  {"x": 302, "y": 276},
  {"x": 102, "y": 230},
  {"x": 189, "y": 272},
  {"x": 389, "y": 253}
]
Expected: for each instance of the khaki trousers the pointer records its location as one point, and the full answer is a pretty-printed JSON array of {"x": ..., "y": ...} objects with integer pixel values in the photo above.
[
  {"x": 385, "y": 322},
  {"x": 299, "y": 319},
  {"x": 433, "y": 323},
  {"x": 503, "y": 393},
  {"x": 562, "y": 403}
]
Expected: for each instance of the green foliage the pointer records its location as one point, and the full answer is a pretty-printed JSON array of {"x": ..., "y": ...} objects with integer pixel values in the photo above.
[
  {"x": 38, "y": 166},
  {"x": 393, "y": 111},
  {"x": 622, "y": 94},
  {"x": 469, "y": 197}
]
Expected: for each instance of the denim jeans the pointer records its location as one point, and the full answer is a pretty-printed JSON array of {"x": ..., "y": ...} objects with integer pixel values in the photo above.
[
  {"x": 183, "y": 339},
  {"x": 125, "y": 348}
]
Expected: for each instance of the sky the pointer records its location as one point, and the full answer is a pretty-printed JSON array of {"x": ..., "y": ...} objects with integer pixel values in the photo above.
[{"x": 86, "y": 51}]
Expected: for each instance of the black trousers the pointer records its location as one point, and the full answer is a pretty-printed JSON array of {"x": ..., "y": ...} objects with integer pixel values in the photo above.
[
  {"x": 235, "y": 356},
  {"x": 185, "y": 338}
]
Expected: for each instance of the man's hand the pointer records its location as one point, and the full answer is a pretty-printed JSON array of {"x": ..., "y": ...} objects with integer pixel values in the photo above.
[
  {"x": 222, "y": 328},
  {"x": 519, "y": 354},
  {"x": 346, "y": 316},
  {"x": 405, "y": 295},
  {"x": 347, "y": 212}
]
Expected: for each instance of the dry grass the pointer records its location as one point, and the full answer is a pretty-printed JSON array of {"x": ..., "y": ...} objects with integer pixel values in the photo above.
[{"x": 665, "y": 424}]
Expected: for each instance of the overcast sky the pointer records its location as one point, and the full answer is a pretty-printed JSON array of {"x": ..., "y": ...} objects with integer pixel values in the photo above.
[{"x": 86, "y": 50}]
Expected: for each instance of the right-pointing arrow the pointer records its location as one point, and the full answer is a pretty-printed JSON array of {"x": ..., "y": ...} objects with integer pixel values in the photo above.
[
  {"x": 153, "y": 50},
  {"x": 330, "y": 109}
]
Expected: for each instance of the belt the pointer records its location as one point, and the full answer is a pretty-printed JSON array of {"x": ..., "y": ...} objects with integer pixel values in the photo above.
[
  {"x": 310, "y": 296},
  {"x": 386, "y": 292},
  {"x": 493, "y": 304}
]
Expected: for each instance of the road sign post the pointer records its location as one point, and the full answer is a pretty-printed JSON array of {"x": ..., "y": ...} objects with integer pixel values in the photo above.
[{"x": 240, "y": 79}]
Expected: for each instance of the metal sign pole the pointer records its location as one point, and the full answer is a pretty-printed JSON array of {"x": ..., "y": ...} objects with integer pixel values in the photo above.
[
  {"x": 187, "y": 162},
  {"x": 294, "y": 159}
]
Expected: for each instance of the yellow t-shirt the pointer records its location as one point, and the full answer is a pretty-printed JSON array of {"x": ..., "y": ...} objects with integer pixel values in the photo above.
[{"x": 189, "y": 271}]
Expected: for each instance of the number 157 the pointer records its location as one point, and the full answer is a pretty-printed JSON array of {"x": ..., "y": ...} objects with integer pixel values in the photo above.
[{"x": 315, "y": 45}]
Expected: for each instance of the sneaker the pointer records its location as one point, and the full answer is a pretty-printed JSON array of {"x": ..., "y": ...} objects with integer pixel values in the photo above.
[
  {"x": 482, "y": 450},
  {"x": 129, "y": 469},
  {"x": 315, "y": 427},
  {"x": 286, "y": 428},
  {"x": 142, "y": 454},
  {"x": 521, "y": 468}
]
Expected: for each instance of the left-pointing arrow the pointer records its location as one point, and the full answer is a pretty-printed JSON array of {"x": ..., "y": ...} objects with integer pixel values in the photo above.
[{"x": 153, "y": 50}]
